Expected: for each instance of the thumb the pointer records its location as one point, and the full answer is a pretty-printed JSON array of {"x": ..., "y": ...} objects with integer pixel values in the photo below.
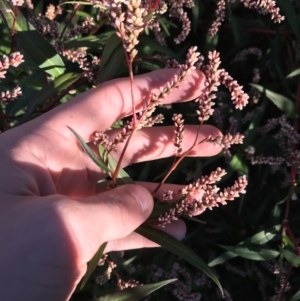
[{"x": 110, "y": 215}]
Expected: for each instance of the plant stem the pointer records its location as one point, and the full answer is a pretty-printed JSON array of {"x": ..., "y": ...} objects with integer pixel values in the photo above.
[
  {"x": 132, "y": 95},
  {"x": 175, "y": 164},
  {"x": 75, "y": 9}
]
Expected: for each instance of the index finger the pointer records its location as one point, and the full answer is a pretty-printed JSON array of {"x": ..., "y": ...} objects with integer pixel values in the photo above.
[{"x": 97, "y": 109}]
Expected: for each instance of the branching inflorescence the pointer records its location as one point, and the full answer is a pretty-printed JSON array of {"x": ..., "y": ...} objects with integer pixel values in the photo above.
[
  {"x": 130, "y": 18},
  {"x": 288, "y": 142},
  {"x": 263, "y": 7},
  {"x": 202, "y": 194}
]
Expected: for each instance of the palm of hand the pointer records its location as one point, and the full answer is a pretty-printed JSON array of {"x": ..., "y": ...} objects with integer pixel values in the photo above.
[{"x": 50, "y": 189}]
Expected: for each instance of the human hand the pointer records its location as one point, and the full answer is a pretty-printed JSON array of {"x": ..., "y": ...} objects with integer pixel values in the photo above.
[{"x": 52, "y": 217}]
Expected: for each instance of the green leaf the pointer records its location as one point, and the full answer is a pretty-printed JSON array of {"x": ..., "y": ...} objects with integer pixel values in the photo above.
[
  {"x": 282, "y": 102},
  {"x": 93, "y": 264},
  {"x": 291, "y": 16},
  {"x": 235, "y": 28},
  {"x": 33, "y": 45},
  {"x": 129, "y": 261},
  {"x": 252, "y": 252},
  {"x": 238, "y": 165},
  {"x": 89, "y": 41},
  {"x": 222, "y": 258},
  {"x": 194, "y": 219},
  {"x": 90, "y": 152},
  {"x": 177, "y": 247},
  {"x": 287, "y": 242},
  {"x": 123, "y": 176},
  {"x": 148, "y": 65},
  {"x": 78, "y": 13},
  {"x": 291, "y": 257},
  {"x": 296, "y": 297},
  {"x": 151, "y": 46},
  {"x": 112, "y": 44},
  {"x": 164, "y": 23},
  {"x": 30, "y": 87},
  {"x": 136, "y": 293},
  {"x": 112, "y": 58},
  {"x": 259, "y": 238},
  {"x": 294, "y": 73},
  {"x": 195, "y": 16},
  {"x": 83, "y": 3},
  {"x": 52, "y": 89}
]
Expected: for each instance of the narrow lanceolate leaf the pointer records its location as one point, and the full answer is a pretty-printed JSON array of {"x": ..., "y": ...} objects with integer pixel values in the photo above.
[
  {"x": 287, "y": 242},
  {"x": 123, "y": 176},
  {"x": 294, "y": 73},
  {"x": 30, "y": 87},
  {"x": 136, "y": 293},
  {"x": 52, "y": 89},
  {"x": 92, "y": 265},
  {"x": 177, "y": 247},
  {"x": 259, "y": 238},
  {"x": 237, "y": 164},
  {"x": 194, "y": 219},
  {"x": 112, "y": 59},
  {"x": 33, "y": 45},
  {"x": 282, "y": 102},
  {"x": 83, "y": 3},
  {"x": 291, "y": 16},
  {"x": 89, "y": 41},
  {"x": 291, "y": 257},
  {"x": 90, "y": 153},
  {"x": 252, "y": 252},
  {"x": 296, "y": 297}
]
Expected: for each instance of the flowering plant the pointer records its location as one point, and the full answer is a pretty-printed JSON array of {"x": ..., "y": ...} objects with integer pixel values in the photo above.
[{"x": 86, "y": 43}]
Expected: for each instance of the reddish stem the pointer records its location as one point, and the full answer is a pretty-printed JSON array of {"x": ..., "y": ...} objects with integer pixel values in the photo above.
[
  {"x": 12, "y": 32},
  {"x": 175, "y": 164},
  {"x": 76, "y": 7},
  {"x": 154, "y": 4},
  {"x": 285, "y": 283},
  {"x": 5, "y": 123}
]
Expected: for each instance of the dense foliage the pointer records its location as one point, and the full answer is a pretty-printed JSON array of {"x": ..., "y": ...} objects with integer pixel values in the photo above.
[{"x": 50, "y": 52}]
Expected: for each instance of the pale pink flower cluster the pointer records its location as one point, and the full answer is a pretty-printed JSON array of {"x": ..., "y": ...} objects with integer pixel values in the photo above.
[
  {"x": 238, "y": 96},
  {"x": 219, "y": 18},
  {"x": 203, "y": 194},
  {"x": 265, "y": 7},
  {"x": 179, "y": 132},
  {"x": 53, "y": 11},
  {"x": 175, "y": 10},
  {"x": 129, "y": 24},
  {"x": 10, "y": 95},
  {"x": 215, "y": 77},
  {"x": 227, "y": 140},
  {"x": 14, "y": 60},
  {"x": 17, "y": 2},
  {"x": 261, "y": 6}
]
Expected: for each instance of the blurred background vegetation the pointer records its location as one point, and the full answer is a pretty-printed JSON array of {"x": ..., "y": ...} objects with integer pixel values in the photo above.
[{"x": 252, "y": 243}]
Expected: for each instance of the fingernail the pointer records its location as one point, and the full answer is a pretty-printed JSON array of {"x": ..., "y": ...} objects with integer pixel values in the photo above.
[{"x": 142, "y": 195}]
